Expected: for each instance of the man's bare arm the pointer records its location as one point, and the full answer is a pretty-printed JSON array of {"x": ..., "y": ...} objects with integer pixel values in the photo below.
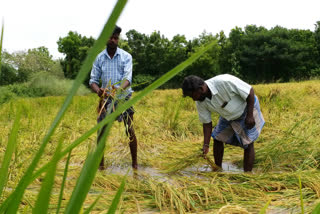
[
  {"x": 250, "y": 103},
  {"x": 207, "y": 129}
]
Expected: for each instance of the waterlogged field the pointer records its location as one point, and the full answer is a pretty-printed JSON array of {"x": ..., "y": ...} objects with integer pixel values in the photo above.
[{"x": 172, "y": 176}]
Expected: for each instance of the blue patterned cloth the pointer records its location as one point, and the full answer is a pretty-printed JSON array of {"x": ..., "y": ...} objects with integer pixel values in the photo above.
[
  {"x": 235, "y": 132},
  {"x": 112, "y": 71}
]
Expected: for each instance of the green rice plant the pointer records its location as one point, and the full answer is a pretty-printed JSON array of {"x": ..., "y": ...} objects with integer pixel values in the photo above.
[
  {"x": 264, "y": 209},
  {"x": 12, "y": 143},
  {"x": 92, "y": 205},
  {"x": 316, "y": 210},
  {"x": 84, "y": 182},
  {"x": 116, "y": 199},
  {"x": 63, "y": 182},
  {"x": 11, "y": 206},
  {"x": 42, "y": 203},
  {"x": 301, "y": 197}
]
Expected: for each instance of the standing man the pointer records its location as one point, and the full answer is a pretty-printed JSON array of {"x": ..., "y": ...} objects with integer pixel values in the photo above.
[
  {"x": 113, "y": 66},
  {"x": 240, "y": 121}
]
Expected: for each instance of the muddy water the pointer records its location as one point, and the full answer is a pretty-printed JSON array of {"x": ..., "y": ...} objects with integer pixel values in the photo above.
[
  {"x": 146, "y": 171},
  {"x": 226, "y": 167}
]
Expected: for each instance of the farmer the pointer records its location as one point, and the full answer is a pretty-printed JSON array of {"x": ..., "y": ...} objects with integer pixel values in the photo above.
[
  {"x": 240, "y": 121},
  {"x": 113, "y": 66}
]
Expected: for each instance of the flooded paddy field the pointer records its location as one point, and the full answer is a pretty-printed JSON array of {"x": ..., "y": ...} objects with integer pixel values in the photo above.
[{"x": 172, "y": 176}]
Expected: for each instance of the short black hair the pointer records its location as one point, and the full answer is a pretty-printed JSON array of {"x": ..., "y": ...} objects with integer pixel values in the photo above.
[
  {"x": 190, "y": 84},
  {"x": 116, "y": 30}
]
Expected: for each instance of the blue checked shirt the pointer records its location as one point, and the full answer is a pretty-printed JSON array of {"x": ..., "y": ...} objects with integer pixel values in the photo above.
[{"x": 113, "y": 71}]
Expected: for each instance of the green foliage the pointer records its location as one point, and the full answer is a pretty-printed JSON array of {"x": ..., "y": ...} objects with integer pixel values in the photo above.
[
  {"x": 141, "y": 80},
  {"x": 262, "y": 55},
  {"x": 13, "y": 201},
  {"x": 6, "y": 94},
  {"x": 12, "y": 144},
  {"x": 40, "y": 85},
  {"x": 42, "y": 203},
  {"x": 75, "y": 47},
  {"x": 22, "y": 65}
]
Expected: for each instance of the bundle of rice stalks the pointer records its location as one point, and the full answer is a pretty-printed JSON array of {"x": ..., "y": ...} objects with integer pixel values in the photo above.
[
  {"x": 232, "y": 209},
  {"x": 188, "y": 161}
]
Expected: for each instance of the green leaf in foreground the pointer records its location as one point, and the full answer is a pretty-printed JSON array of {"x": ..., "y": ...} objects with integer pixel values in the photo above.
[
  {"x": 92, "y": 205},
  {"x": 63, "y": 182},
  {"x": 91, "y": 165},
  {"x": 13, "y": 205},
  {"x": 301, "y": 197},
  {"x": 116, "y": 199},
  {"x": 87, "y": 175},
  {"x": 12, "y": 143},
  {"x": 264, "y": 209},
  {"x": 43, "y": 200},
  {"x": 316, "y": 210}
]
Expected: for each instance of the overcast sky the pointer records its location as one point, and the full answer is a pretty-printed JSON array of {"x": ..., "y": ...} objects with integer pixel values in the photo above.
[{"x": 34, "y": 23}]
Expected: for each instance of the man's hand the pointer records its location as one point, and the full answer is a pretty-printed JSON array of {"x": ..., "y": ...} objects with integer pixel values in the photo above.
[
  {"x": 205, "y": 150},
  {"x": 250, "y": 121},
  {"x": 101, "y": 92}
]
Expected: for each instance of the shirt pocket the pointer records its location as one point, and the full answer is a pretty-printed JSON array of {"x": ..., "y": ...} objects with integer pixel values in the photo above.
[{"x": 233, "y": 105}]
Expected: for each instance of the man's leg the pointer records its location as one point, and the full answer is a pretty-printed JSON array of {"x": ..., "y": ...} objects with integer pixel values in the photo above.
[
  {"x": 100, "y": 133},
  {"x": 128, "y": 122},
  {"x": 248, "y": 158},
  {"x": 218, "y": 150}
]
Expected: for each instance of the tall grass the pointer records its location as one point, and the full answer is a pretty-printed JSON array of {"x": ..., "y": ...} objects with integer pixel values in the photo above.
[{"x": 11, "y": 204}]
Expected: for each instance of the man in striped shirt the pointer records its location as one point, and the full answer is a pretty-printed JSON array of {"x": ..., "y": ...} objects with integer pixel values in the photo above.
[
  {"x": 240, "y": 121},
  {"x": 113, "y": 66}
]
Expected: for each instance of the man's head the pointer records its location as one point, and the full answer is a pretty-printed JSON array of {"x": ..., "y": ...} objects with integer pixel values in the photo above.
[
  {"x": 194, "y": 87},
  {"x": 114, "y": 38}
]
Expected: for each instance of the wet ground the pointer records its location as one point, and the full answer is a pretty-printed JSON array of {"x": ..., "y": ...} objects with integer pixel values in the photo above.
[{"x": 194, "y": 171}]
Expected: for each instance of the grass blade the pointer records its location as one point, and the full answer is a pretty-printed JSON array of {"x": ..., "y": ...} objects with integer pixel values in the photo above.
[
  {"x": 12, "y": 206},
  {"x": 63, "y": 182},
  {"x": 91, "y": 164},
  {"x": 92, "y": 205},
  {"x": 124, "y": 106},
  {"x": 42, "y": 203},
  {"x": 264, "y": 209},
  {"x": 301, "y": 197},
  {"x": 87, "y": 175},
  {"x": 116, "y": 199},
  {"x": 11, "y": 146},
  {"x": 316, "y": 210}
]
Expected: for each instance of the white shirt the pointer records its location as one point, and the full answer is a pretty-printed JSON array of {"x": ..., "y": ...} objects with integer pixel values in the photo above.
[{"x": 224, "y": 89}]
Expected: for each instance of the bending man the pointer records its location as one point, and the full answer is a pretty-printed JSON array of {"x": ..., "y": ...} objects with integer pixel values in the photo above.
[{"x": 240, "y": 121}]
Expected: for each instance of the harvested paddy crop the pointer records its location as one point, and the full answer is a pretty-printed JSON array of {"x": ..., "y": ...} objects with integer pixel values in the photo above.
[{"x": 173, "y": 177}]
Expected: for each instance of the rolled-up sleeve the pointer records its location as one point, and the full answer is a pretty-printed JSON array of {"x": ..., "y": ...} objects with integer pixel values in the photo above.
[
  {"x": 95, "y": 73},
  {"x": 240, "y": 87},
  {"x": 128, "y": 68},
  {"x": 204, "y": 114}
]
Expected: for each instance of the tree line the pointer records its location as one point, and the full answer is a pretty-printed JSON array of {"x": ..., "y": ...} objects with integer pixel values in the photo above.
[{"x": 255, "y": 54}]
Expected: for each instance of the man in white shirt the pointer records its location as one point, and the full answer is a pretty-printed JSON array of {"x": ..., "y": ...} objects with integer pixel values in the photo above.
[{"x": 240, "y": 121}]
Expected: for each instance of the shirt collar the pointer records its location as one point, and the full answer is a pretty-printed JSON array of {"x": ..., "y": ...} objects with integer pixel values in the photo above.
[
  {"x": 212, "y": 87},
  {"x": 116, "y": 53}
]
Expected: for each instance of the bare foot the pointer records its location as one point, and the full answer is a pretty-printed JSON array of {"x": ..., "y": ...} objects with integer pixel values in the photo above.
[
  {"x": 135, "y": 166},
  {"x": 102, "y": 167}
]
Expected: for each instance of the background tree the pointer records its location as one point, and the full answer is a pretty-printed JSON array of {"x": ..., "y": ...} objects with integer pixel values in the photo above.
[
  {"x": 75, "y": 47},
  {"x": 21, "y": 66}
]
